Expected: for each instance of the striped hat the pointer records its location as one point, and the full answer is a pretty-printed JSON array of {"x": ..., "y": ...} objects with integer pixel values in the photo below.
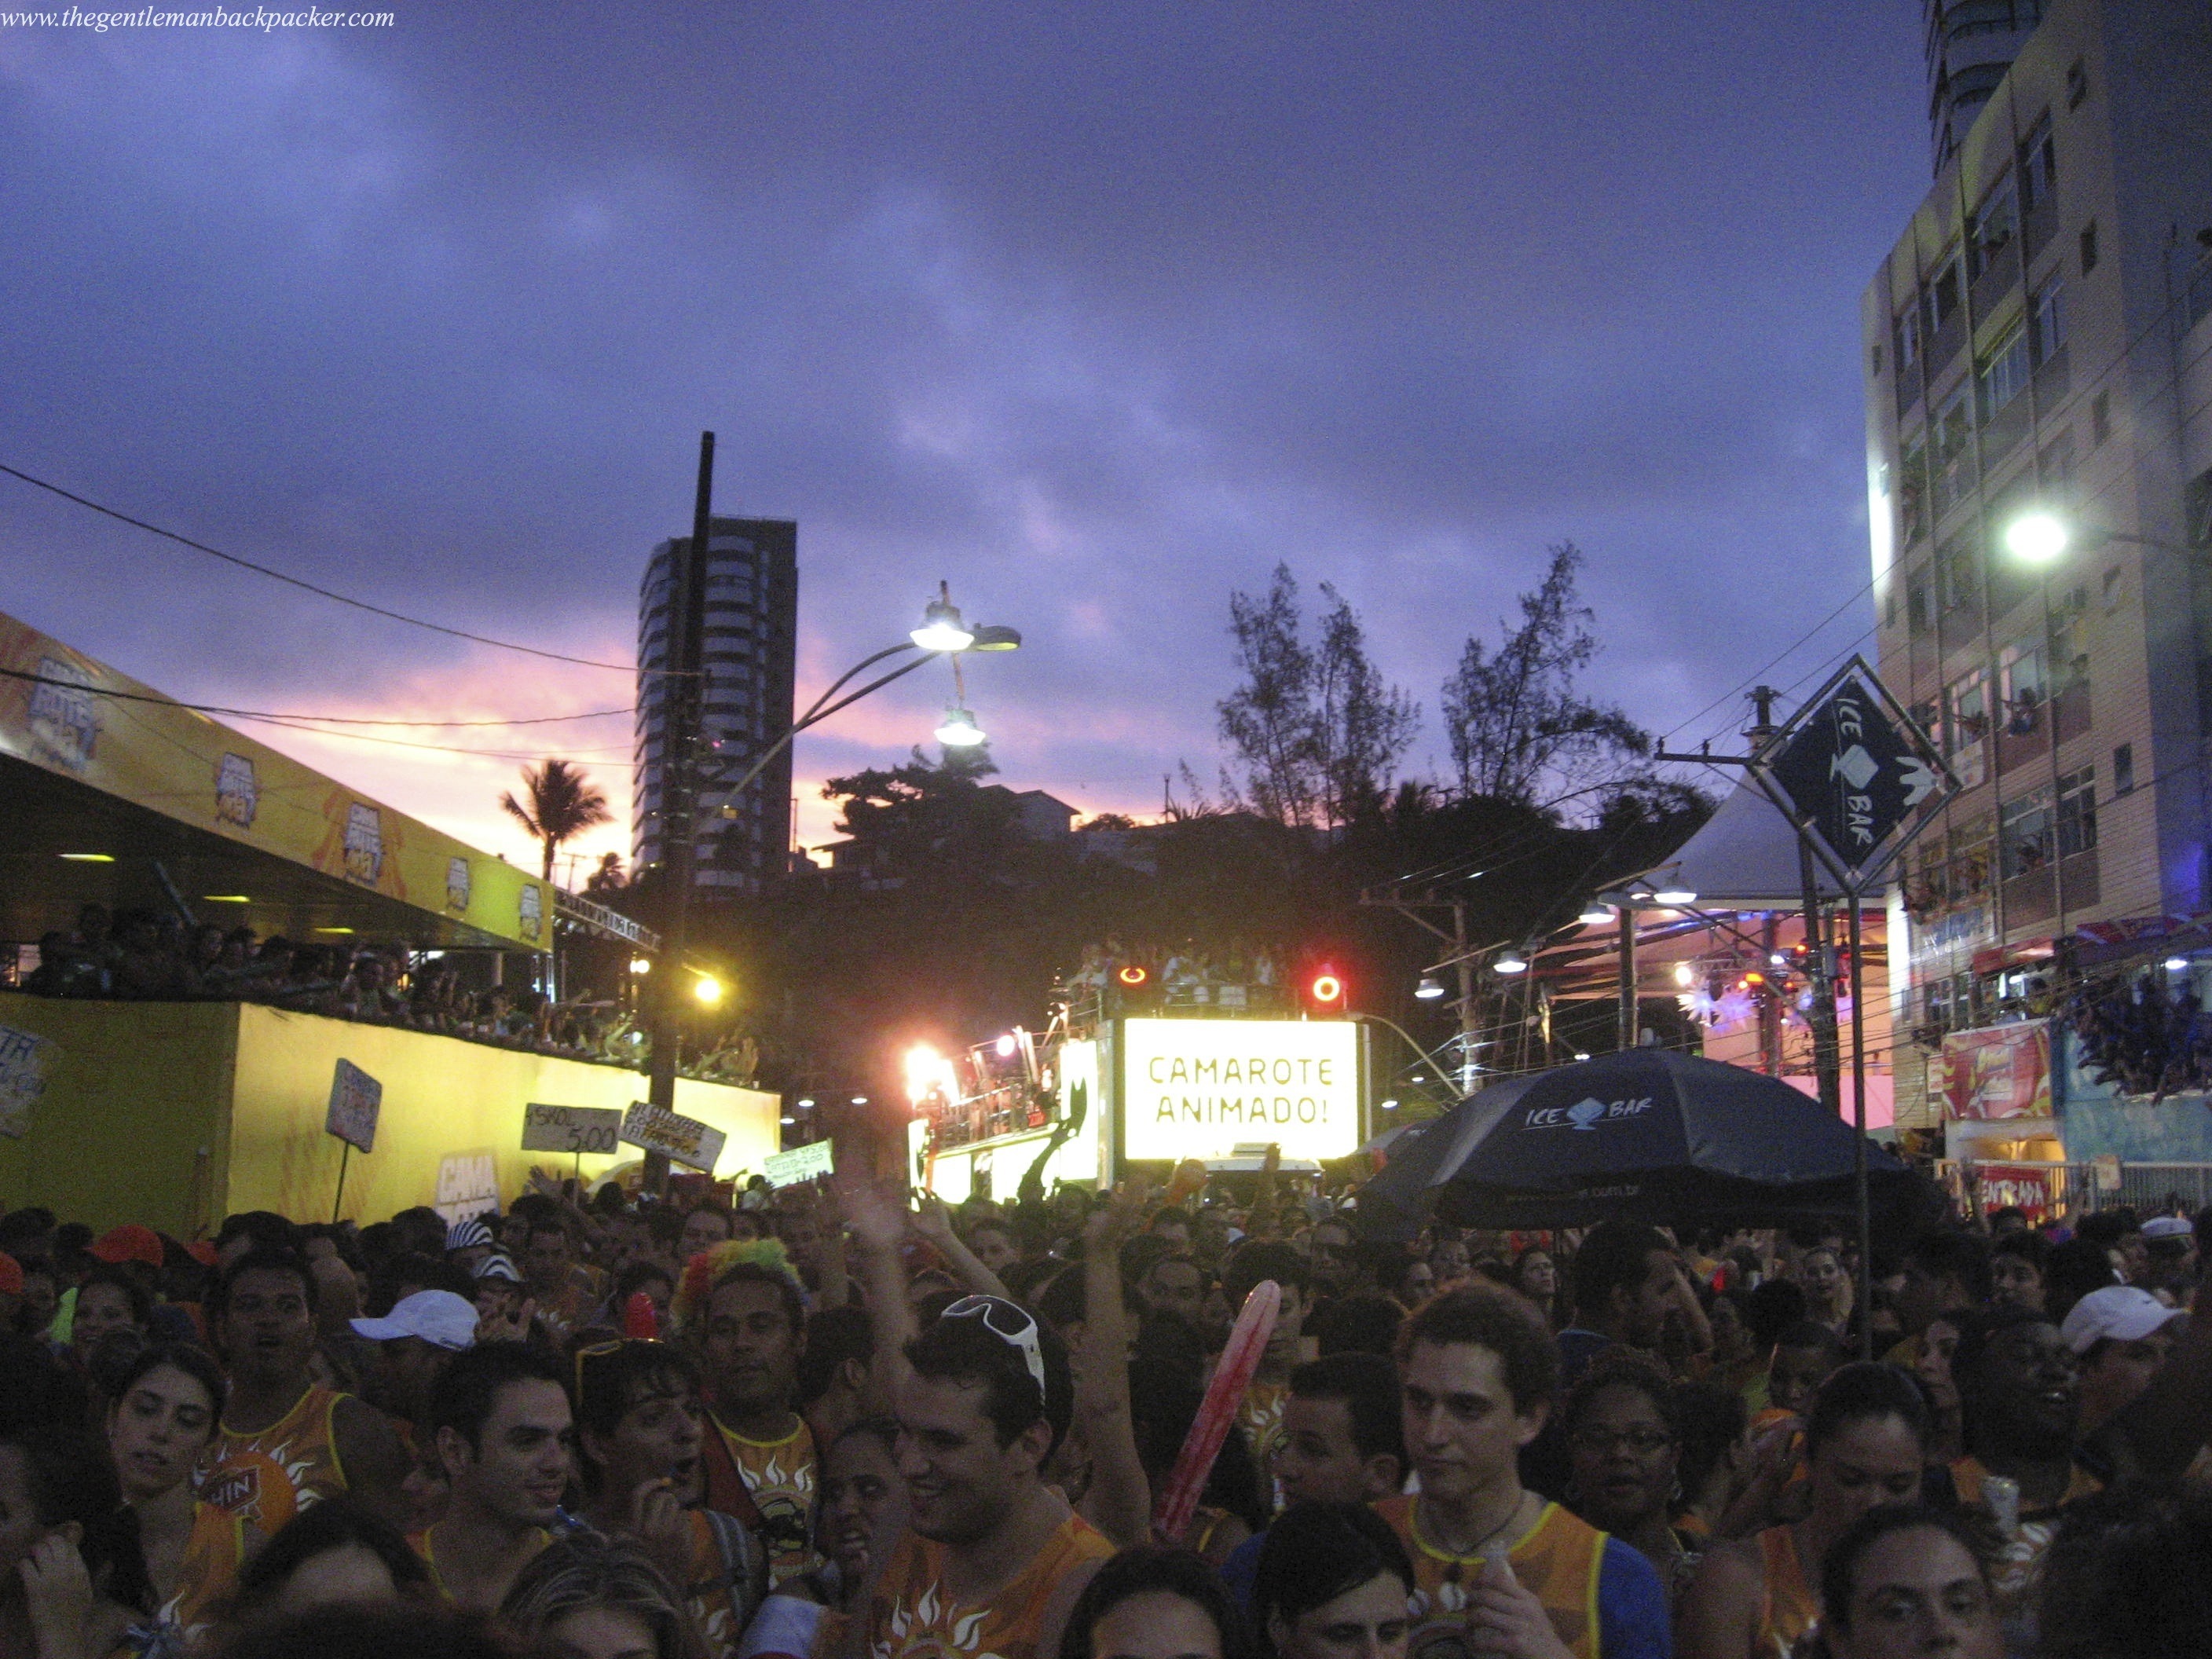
[{"x": 466, "y": 1235}]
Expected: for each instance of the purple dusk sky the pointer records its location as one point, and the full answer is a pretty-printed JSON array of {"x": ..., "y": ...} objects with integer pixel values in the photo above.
[{"x": 1098, "y": 311}]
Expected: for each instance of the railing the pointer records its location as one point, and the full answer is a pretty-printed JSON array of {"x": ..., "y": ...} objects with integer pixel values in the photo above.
[
  {"x": 2077, "y": 1188},
  {"x": 588, "y": 913}
]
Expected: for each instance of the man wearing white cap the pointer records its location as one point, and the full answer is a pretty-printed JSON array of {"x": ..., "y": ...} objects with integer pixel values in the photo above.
[
  {"x": 413, "y": 1343},
  {"x": 2120, "y": 1336}
]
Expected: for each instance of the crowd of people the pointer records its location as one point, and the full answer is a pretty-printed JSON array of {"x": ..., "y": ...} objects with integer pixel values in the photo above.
[
  {"x": 154, "y": 956},
  {"x": 831, "y": 1422}
]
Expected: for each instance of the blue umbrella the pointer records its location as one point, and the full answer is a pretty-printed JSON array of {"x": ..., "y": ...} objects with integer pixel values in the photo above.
[{"x": 1648, "y": 1136}]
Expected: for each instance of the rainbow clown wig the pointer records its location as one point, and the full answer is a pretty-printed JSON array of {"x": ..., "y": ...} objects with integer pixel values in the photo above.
[{"x": 762, "y": 1259}]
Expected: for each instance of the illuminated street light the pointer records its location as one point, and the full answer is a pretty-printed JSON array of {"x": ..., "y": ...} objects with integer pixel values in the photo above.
[
  {"x": 860, "y": 1100},
  {"x": 1511, "y": 963},
  {"x": 941, "y": 627},
  {"x": 641, "y": 965},
  {"x": 1428, "y": 989},
  {"x": 1003, "y": 1047},
  {"x": 1674, "y": 891},
  {"x": 959, "y": 730},
  {"x": 1685, "y": 975},
  {"x": 2038, "y": 537},
  {"x": 1596, "y": 915},
  {"x": 708, "y": 990}
]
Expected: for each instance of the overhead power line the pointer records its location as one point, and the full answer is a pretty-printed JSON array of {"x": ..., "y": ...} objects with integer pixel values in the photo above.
[
  {"x": 266, "y": 714},
  {"x": 310, "y": 588}
]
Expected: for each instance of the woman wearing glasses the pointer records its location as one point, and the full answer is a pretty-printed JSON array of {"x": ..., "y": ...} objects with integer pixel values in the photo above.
[{"x": 1624, "y": 1455}]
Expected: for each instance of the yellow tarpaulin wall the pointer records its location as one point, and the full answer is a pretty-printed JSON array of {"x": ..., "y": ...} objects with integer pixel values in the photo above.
[{"x": 177, "y": 1113}]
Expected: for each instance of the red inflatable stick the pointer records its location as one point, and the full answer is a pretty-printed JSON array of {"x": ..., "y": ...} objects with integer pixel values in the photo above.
[
  {"x": 639, "y": 1321},
  {"x": 1248, "y": 1341}
]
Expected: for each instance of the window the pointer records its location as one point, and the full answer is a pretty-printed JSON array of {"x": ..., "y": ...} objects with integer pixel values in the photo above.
[
  {"x": 2024, "y": 833},
  {"x": 2089, "y": 247},
  {"x": 1917, "y": 614},
  {"x": 1945, "y": 289},
  {"x": 2004, "y": 372},
  {"x": 2111, "y": 588},
  {"x": 1912, "y": 489},
  {"x": 1953, "y": 431},
  {"x": 1904, "y": 332},
  {"x": 1959, "y": 570},
  {"x": 2046, "y": 321},
  {"x": 1971, "y": 857},
  {"x": 2039, "y": 165},
  {"x": 2124, "y": 769},
  {"x": 2054, "y": 467},
  {"x": 2024, "y": 681},
  {"x": 1963, "y": 723},
  {"x": 2077, "y": 811},
  {"x": 2100, "y": 418},
  {"x": 1991, "y": 228},
  {"x": 2077, "y": 83}
]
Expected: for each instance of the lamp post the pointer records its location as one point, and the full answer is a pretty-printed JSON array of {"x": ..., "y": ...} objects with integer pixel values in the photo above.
[{"x": 942, "y": 633}]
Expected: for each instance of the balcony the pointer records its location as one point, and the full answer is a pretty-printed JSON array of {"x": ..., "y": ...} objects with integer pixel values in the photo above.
[
  {"x": 2000, "y": 276},
  {"x": 2051, "y": 380},
  {"x": 2078, "y": 876},
  {"x": 1950, "y": 335},
  {"x": 2037, "y": 225}
]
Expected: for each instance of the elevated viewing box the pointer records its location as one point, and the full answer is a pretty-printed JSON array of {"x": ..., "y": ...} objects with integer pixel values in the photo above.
[{"x": 112, "y": 793}]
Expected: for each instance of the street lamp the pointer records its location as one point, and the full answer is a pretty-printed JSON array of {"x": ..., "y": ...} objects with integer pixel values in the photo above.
[
  {"x": 958, "y": 729},
  {"x": 1428, "y": 989},
  {"x": 1511, "y": 962},
  {"x": 2037, "y": 537},
  {"x": 2042, "y": 536}
]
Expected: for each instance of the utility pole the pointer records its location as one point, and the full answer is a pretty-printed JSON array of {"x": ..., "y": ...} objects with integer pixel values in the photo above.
[
  {"x": 684, "y": 698},
  {"x": 1463, "y": 961},
  {"x": 1624, "y": 919},
  {"x": 1819, "y": 956}
]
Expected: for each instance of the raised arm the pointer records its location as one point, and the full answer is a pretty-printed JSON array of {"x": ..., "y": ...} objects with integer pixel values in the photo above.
[
  {"x": 1120, "y": 1501},
  {"x": 932, "y": 1224}
]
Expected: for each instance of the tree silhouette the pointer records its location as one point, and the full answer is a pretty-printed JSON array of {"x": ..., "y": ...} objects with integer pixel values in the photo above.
[{"x": 563, "y": 805}]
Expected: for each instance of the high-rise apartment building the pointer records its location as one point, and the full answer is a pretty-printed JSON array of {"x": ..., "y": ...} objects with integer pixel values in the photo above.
[
  {"x": 2038, "y": 342},
  {"x": 751, "y": 645},
  {"x": 1969, "y": 45}
]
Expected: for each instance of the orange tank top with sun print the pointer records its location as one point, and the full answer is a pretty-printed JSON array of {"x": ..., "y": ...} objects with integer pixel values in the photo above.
[
  {"x": 779, "y": 1479},
  {"x": 270, "y": 1477},
  {"x": 911, "y": 1617},
  {"x": 214, "y": 1551},
  {"x": 1787, "y": 1604},
  {"x": 1559, "y": 1560}
]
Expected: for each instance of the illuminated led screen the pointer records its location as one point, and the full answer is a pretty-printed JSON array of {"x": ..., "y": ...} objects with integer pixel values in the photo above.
[{"x": 1200, "y": 1088}]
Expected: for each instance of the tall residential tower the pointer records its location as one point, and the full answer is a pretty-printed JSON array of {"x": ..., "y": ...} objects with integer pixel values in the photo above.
[
  {"x": 751, "y": 646},
  {"x": 2040, "y": 343}
]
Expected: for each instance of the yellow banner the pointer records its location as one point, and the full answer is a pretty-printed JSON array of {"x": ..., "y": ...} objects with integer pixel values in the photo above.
[{"x": 188, "y": 768}]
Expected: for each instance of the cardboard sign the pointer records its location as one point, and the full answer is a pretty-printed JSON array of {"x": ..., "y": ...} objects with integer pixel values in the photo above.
[
  {"x": 355, "y": 1099},
  {"x": 468, "y": 1184},
  {"x": 570, "y": 1128},
  {"x": 679, "y": 1140},
  {"x": 26, "y": 1060},
  {"x": 817, "y": 1157}
]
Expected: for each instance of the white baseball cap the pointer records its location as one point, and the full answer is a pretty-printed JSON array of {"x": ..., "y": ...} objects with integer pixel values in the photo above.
[
  {"x": 2120, "y": 1312},
  {"x": 439, "y": 1317}
]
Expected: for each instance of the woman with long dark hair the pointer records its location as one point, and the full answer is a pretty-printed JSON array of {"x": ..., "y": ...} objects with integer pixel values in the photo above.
[
  {"x": 72, "y": 1581},
  {"x": 169, "y": 1406}
]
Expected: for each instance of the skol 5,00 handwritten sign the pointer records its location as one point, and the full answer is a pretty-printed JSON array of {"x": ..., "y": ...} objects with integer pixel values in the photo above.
[{"x": 679, "y": 1140}]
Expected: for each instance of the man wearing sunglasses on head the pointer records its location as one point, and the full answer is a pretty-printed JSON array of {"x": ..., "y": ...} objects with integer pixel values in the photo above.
[{"x": 992, "y": 1559}]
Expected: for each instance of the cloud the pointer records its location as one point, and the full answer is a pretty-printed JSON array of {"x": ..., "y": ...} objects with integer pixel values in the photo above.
[{"x": 1097, "y": 313}]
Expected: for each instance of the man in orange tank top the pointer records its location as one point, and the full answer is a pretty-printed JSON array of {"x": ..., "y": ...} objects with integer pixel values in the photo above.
[
  {"x": 287, "y": 1443},
  {"x": 1500, "y": 1572},
  {"x": 992, "y": 1559}
]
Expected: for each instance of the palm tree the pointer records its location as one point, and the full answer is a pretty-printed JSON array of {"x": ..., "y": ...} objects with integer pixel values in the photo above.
[{"x": 563, "y": 805}]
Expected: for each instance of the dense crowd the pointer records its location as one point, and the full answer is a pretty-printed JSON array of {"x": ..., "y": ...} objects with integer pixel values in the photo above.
[
  {"x": 154, "y": 956},
  {"x": 827, "y": 1421}
]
